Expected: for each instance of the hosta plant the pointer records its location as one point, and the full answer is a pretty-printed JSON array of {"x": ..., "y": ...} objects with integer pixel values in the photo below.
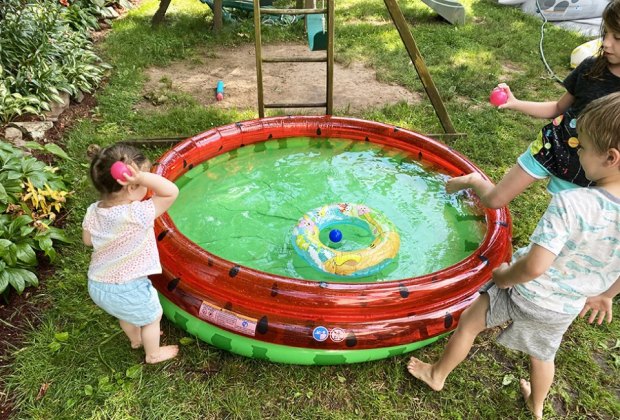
[{"x": 45, "y": 48}]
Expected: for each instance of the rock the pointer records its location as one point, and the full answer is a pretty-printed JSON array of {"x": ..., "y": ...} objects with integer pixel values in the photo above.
[
  {"x": 79, "y": 97},
  {"x": 57, "y": 108},
  {"x": 109, "y": 12},
  {"x": 125, "y": 4},
  {"x": 35, "y": 129},
  {"x": 14, "y": 135}
]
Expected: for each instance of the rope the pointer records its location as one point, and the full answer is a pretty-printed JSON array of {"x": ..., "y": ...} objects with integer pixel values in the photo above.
[{"x": 540, "y": 45}]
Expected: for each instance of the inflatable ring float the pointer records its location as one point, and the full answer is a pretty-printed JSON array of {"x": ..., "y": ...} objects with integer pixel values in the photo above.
[
  {"x": 357, "y": 263},
  {"x": 289, "y": 320}
]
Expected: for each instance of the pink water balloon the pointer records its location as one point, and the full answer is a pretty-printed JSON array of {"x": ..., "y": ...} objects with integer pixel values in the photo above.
[
  {"x": 498, "y": 96},
  {"x": 119, "y": 171}
]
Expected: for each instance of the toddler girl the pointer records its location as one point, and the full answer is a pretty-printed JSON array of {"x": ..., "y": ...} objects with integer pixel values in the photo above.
[{"x": 120, "y": 229}]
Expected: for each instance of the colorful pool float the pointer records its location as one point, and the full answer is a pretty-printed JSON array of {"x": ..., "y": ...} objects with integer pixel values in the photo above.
[
  {"x": 357, "y": 263},
  {"x": 288, "y": 320}
]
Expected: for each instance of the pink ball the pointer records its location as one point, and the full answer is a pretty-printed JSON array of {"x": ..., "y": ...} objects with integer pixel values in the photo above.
[
  {"x": 498, "y": 97},
  {"x": 119, "y": 170}
]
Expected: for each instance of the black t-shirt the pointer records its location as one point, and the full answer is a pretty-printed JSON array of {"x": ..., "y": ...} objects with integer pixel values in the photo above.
[{"x": 585, "y": 89}]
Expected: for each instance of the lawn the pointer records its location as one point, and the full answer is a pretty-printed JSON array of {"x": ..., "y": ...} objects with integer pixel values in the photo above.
[{"x": 77, "y": 364}]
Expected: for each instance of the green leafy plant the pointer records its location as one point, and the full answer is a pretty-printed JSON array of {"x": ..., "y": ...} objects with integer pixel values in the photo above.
[
  {"x": 45, "y": 49},
  {"x": 82, "y": 14},
  {"x": 13, "y": 104},
  {"x": 31, "y": 196}
]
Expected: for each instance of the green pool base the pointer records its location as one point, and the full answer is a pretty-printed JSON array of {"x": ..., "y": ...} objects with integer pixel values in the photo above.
[{"x": 278, "y": 353}]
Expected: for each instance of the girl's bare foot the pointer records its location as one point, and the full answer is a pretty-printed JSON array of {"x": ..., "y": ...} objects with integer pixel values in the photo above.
[
  {"x": 137, "y": 344},
  {"x": 424, "y": 372},
  {"x": 164, "y": 353},
  {"x": 461, "y": 182},
  {"x": 526, "y": 390}
]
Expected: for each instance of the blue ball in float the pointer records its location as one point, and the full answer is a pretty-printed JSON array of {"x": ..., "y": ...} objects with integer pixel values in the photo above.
[{"x": 335, "y": 235}]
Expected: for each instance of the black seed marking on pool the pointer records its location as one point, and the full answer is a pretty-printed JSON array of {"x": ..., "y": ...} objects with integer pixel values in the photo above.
[
  {"x": 173, "y": 284},
  {"x": 263, "y": 325}
]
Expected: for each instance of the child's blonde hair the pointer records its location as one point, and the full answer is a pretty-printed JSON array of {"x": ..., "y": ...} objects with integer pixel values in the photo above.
[
  {"x": 600, "y": 121},
  {"x": 103, "y": 159}
]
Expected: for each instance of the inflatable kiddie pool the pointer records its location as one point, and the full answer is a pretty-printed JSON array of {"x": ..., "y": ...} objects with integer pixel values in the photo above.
[
  {"x": 308, "y": 321},
  {"x": 559, "y": 10}
]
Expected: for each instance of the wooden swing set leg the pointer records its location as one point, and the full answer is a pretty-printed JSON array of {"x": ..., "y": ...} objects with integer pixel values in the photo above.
[
  {"x": 420, "y": 66},
  {"x": 158, "y": 17}
]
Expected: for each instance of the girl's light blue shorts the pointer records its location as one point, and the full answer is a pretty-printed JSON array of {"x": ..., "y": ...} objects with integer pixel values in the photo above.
[{"x": 135, "y": 302}]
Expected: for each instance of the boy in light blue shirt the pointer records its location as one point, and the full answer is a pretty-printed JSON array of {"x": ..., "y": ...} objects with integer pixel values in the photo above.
[{"x": 571, "y": 267}]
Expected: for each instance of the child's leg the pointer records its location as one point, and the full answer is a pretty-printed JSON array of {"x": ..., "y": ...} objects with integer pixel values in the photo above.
[
  {"x": 472, "y": 323},
  {"x": 493, "y": 196},
  {"x": 541, "y": 377},
  {"x": 150, "y": 339},
  {"x": 133, "y": 333}
]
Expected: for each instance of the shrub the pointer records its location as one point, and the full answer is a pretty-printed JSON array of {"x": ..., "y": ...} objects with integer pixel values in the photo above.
[
  {"x": 31, "y": 196},
  {"x": 44, "y": 49}
]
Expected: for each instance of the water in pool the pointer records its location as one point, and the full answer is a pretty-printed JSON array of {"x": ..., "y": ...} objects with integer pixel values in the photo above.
[{"x": 243, "y": 205}]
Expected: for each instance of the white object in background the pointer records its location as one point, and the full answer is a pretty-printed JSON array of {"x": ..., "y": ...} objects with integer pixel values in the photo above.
[
  {"x": 556, "y": 10},
  {"x": 584, "y": 51}
]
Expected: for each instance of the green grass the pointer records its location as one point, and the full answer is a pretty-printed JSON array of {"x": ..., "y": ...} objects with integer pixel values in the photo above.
[{"x": 95, "y": 375}]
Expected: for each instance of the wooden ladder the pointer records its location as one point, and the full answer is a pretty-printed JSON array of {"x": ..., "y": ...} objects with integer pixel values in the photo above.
[{"x": 328, "y": 58}]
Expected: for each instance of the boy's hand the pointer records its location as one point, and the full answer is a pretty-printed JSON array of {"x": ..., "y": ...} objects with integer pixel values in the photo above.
[{"x": 599, "y": 305}]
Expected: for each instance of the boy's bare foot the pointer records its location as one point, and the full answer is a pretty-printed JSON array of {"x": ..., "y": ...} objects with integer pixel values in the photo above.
[
  {"x": 423, "y": 371},
  {"x": 461, "y": 182},
  {"x": 164, "y": 353},
  {"x": 526, "y": 390}
]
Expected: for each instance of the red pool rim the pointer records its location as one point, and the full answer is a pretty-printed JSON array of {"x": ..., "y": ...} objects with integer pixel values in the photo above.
[{"x": 286, "y": 310}]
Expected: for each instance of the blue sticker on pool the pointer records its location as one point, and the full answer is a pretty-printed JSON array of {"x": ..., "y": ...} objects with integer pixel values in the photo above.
[{"x": 320, "y": 333}]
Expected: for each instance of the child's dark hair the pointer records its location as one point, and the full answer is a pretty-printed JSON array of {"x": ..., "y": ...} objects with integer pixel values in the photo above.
[
  {"x": 610, "y": 22},
  {"x": 102, "y": 160},
  {"x": 600, "y": 121}
]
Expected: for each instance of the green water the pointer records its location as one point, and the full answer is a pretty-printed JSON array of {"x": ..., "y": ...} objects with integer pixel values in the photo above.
[{"x": 243, "y": 205}]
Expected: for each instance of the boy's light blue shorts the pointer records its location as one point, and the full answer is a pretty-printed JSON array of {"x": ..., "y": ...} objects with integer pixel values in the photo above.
[
  {"x": 135, "y": 302},
  {"x": 533, "y": 167}
]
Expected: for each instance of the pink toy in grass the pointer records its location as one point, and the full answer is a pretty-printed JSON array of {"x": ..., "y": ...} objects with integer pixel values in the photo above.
[
  {"x": 498, "y": 96},
  {"x": 119, "y": 171}
]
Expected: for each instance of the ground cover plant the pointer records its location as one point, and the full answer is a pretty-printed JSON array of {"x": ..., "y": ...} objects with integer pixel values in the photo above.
[
  {"x": 75, "y": 362},
  {"x": 32, "y": 194}
]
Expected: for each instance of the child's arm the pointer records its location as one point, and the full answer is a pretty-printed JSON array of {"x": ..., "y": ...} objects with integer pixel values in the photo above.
[
  {"x": 601, "y": 305},
  {"x": 164, "y": 191},
  {"x": 86, "y": 238},
  {"x": 525, "y": 269},
  {"x": 544, "y": 110}
]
